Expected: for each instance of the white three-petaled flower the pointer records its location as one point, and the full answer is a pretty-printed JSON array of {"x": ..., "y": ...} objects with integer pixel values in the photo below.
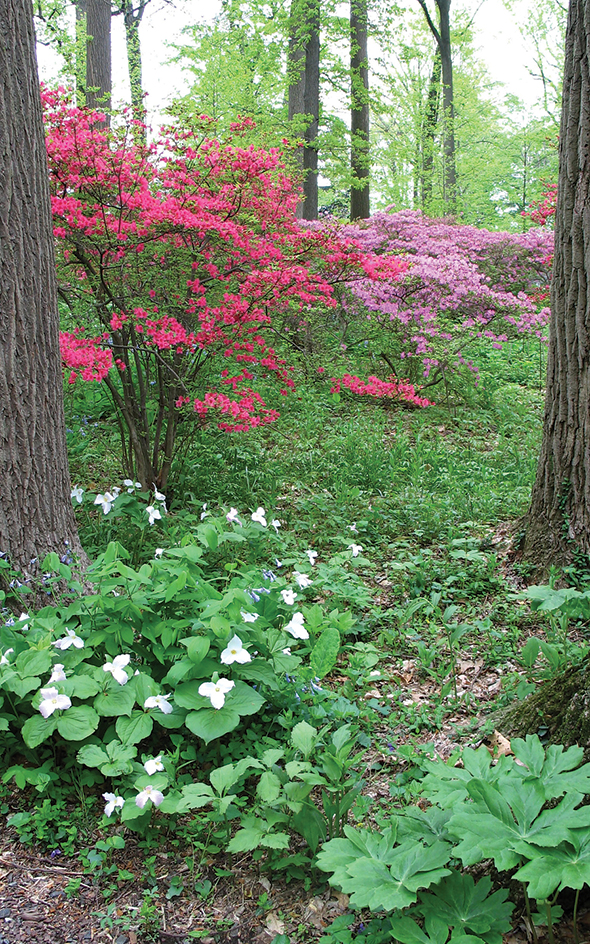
[
  {"x": 77, "y": 493},
  {"x": 296, "y": 628},
  {"x": 117, "y": 668},
  {"x": 289, "y": 596},
  {"x": 70, "y": 639},
  {"x": 232, "y": 516},
  {"x": 355, "y": 549},
  {"x": 159, "y": 701},
  {"x": 248, "y": 617},
  {"x": 302, "y": 580},
  {"x": 58, "y": 674},
  {"x": 4, "y": 659},
  {"x": 149, "y": 793},
  {"x": 276, "y": 524},
  {"x": 113, "y": 803},
  {"x": 235, "y": 652},
  {"x": 312, "y": 556},
  {"x": 53, "y": 701},
  {"x": 259, "y": 516},
  {"x": 158, "y": 496},
  {"x": 216, "y": 691},
  {"x": 154, "y": 764},
  {"x": 105, "y": 501},
  {"x": 353, "y": 527},
  {"x": 154, "y": 514}
]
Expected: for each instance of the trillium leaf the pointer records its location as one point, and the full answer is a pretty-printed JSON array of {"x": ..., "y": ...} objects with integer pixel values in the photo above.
[
  {"x": 82, "y": 686},
  {"x": 37, "y": 729},
  {"x": 211, "y": 723},
  {"x": 115, "y": 701},
  {"x": 33, "y": 662},
  {"x": 91, "y": 755},
  {"x": 187, "y": 695},
  {"x": 78, "y": 723},
  {"x": 243, "y": 699},
  {"x": 134, "y": 728},
  {"x": 197, "y": 648}
]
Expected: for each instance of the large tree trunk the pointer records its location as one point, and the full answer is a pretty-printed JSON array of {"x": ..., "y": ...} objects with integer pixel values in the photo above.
[
  {"x": 359, "y": 111},
  {"x": 36, "y": 511},
  {"x": 558, "y": 523},
  {"x": 559, "y": 710},
  {"x": 98, "y": 55},
  {"x": 133, "y": 16},
  {"x": 304, "y": 93}
]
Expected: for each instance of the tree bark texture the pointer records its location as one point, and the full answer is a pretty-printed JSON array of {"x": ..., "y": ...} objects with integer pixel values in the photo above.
[
  {"x": 98, "y": 54},
  {"x": 557, "y": 527},
  {"x": 35, "y": 506},
  {"x": 133, "y": 16},
  {"x": 359, "y": 111},
  {"x": 304, "y": 93}
]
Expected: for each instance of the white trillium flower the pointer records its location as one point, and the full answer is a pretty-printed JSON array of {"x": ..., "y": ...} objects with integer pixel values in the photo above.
[
  {"x": 216, "y": 691},
  {"x": 312, "y": 557},
  {"x": 259, "y": 516},
  {"x": 204, "y": 513},
  {"x": 232, "y": 516},
  {"x": 276, "y": 524},
  {"x": 286, "y": 652},
  {"x": 248, "y": 617},
  {"x": 77, "y": 493},
  {"x": 159, "y": 701},
  {"x": 24, "y": 616},
  {"x": 4, "y": 659},
  {"x": 353, "y": 527},
  {"x": 70, "y": 639},
  {"x": 355, "y": 549},
  {"x": 154, "y": 514},
  {"x": 235, "y": 652},
  {"x": 105, "y": 501},
  {"x": 130, "y": 484},
  {"x": 58, "y": 674},
  {"x": 117, "y": 668},
  {"x": 289, "y": 596},
  {"x": 116, "y": 492},
  {"x": 158, "y": 552},
  {"x": 296, "y": 628},
  {"x": 53, "y": 701},
  {"x": 158, "y": 496},
  {"x": 149, "y": 793},
  {"x": 153, "y": 765},
  {"x": 302, "y": 580},
  {"x": 113, "y": 803}
]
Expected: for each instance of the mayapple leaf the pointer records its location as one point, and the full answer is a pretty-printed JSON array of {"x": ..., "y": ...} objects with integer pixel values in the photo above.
[
  {"x": 467, "y": 907},
  {"x": 567, "y": 866}
]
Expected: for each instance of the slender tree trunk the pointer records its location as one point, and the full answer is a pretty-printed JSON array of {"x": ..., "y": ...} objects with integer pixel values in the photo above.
[
  {"x": 80, "y": 55},
  {"x": 442, "y": 35},
  {"x": 304, "y": 93},
  {"x": 132, "y": 18},
  {"x": 558, "y": 522},
  {"x": 359, "y": 111},
  {"x": 429, "y": 126},
  {"x": 36, "y": 511},
  {"x": 98, "y": 55}
]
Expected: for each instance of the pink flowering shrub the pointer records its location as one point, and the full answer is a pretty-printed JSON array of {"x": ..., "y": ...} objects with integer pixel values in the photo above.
[
  {"x": 181, "y": 254},
  {"x": 543, "y": 211},
  {"x": 463, "y": 287},
  {"x": 400, "y": 390}
]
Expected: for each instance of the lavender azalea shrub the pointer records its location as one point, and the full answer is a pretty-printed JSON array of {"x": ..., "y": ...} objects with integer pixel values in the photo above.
[{"x": 464, "y": 286}]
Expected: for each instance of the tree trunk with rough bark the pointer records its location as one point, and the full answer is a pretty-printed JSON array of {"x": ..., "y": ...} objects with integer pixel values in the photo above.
[
  {"x": 304, "y": 94},
  {"x": 35, "y": 509},
  {"x": 557, "y": 527},
  {"x": 98, "y": 55},
  {"x": 359, "y": 111}
]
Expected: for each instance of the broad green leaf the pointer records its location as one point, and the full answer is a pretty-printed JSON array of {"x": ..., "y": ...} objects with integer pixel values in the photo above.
[
  {"x": 143, "y": 687},
  {"x": 269, "y": 787},
  {"x": 209, "y": 723},
  {"x": 275, "y": 841},
  {"x": 222, "y": 778},
  {"x": 175, "y": 587},
  {"x": 115, "y": 701},
  {"x": 134, "y": 728},
  {"x": 33, "y": 662},
  {"x": 91, "y": 755},
  {"x": 260, "y": 671},
  {"x": 244, "y": 699},
  {"x": 303, "y": 737},
  {"x": 187, "y": 695},
  {"x": 567, "y": 866},
  {"x": 80, "y": 686},
  {"x": 37, "y": 729},
  {"x": 467, "y": 907},
  {"x": 324, "y": 654},
  {"x": 197, "y": 648},
  {"x": 78, "y": 723},
  {"x": 246, "y": 840}
]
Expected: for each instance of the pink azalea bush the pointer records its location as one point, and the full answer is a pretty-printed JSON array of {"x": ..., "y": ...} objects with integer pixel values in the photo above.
[
  {"x": 463, "y": 286},
  {"x": 176, "y": 259}
]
